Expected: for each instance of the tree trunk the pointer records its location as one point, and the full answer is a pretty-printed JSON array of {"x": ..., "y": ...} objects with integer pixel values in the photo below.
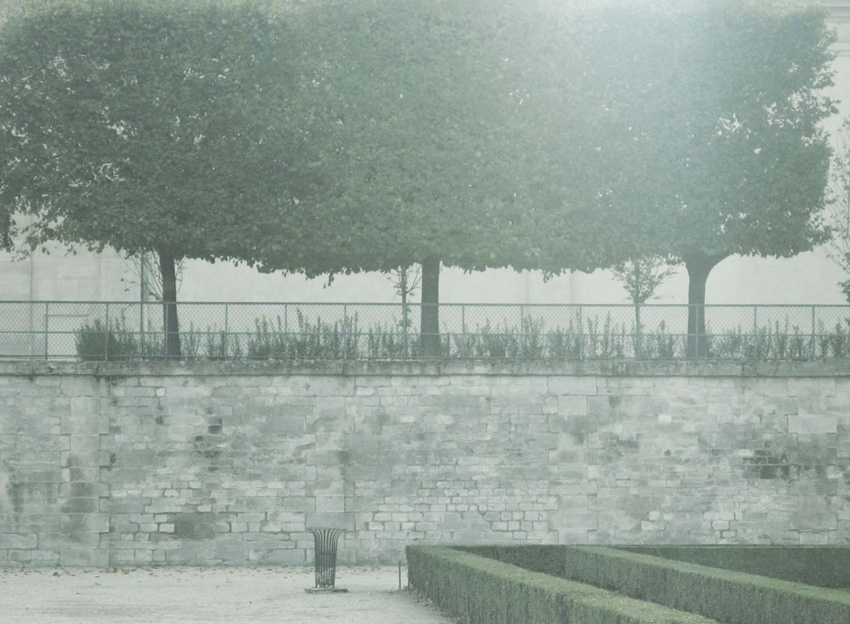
[
  {"x": 169, "y": 306},
  {"x": 698, "y": 270},
  {"x": 430, "y": 310},
  {"x": 5, "y": 226}
]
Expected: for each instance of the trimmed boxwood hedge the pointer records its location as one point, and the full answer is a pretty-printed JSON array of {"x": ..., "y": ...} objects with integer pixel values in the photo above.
[
  {"x": 727, "y": 596},
  {"x": 824, "y": 566},
  {"x": 548, "y": 559},
  {"x": 486, "y": 591}
]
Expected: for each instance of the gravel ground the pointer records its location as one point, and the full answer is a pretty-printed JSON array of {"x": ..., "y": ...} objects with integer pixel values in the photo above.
[{"x": 208, "y": 596}]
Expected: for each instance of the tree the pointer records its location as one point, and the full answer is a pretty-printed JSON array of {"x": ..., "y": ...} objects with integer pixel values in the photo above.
[
  {"x": 152, "y": 126},
  {"x": 641, "y": 278},
  {"x": 838, "y": 217},
  {"x": 717, "y": 107},
  {"x": 5, "y": 229},
  {"x": 405, "y": 281},
  {"x": 146, "y": 276},
  {"x": 435, "y": 106}
]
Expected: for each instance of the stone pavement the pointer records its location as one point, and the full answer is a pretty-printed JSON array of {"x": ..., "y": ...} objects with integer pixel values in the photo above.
[{"x": 206, "y": 596}]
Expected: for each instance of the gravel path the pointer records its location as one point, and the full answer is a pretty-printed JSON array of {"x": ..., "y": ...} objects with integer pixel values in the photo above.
[{"x": 206, "y": 595}]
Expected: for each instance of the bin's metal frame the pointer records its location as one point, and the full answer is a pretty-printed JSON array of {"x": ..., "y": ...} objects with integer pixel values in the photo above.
[{"x": 326, "y": 542}]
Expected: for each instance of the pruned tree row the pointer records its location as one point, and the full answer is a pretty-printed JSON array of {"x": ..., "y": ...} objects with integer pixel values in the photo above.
[{"x": 338, "y": 136}]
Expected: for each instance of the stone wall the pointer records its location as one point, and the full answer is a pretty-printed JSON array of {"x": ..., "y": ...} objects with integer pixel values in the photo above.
[{"x": 233, "y": 463}]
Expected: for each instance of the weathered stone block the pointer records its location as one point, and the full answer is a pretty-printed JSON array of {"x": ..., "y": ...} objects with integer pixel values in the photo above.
[
  {"x": 817, "y": 386},
  {"x": 572, "y": 406},
  {"x": 330, "y": 504},
  {"x": 572, "y": 385},
  {"x": 283, "y": 425},
  {"x": 14, "y": 541},
  {"x": 84, "y": 423},
  {"x": 812, "y": 424},
  {"x": 317, "y": 520},
  {"x": 286, "y": 556}
]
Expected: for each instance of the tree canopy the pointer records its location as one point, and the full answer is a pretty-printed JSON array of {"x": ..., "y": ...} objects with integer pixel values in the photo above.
[
  {"x": 718, "y": 109},
  {"x": 159, "y": 126},
  {"x": 437, "y": 152},
  {"x": 350, "y": 136}
]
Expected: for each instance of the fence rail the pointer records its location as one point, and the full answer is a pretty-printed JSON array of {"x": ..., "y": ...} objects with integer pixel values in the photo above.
[{"x": 133, "y": 330}]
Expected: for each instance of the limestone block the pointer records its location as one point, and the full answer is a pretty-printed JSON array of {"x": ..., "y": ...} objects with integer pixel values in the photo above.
[
  {"x": 572, "y": 405},
  {"x": 812, "y": 424},
  {"x": 813, "y": 519},
  {"x": 330, "y": 504},
  {"x": 317, "y": 520},
  {"x": 85, "y": 443},
  {"x": 332, "y": 385},
  {"x": 80, "y": 386},
  {"x": 330, "y": 407},
  {"x": 15, "y": 541},
  {"x": 81, "y": 505},
  {"x": 572, "y": 385},
  {"x": 286, "y": 556},
  {"x": 84, "y": 423},
  {"x": 44, "y": 557},
  {"x": 573, "y": 520},
  {"x": 68, "y": 541},
  {"x": 85, "y": 558},
  {"x": 808, "y": 386},
  {"x": 84, "y": 523}
]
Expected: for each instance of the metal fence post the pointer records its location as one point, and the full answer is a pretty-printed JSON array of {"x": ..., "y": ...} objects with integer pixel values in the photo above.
[
  {"x": 226, "y": 330},
  {"x": 814, "y": 342},
  {"x": 344, "y": 332},
  {"x": 165, "y": 330},
  {"x": 522, "y": 348},
  {"x": 699, "y": 308},
  {"x": 404, "y": 316},
  {"x": 638, "y": 337},
  {"x": 755, "y": 332},
  {"x": 465, "y": 348},
  {"x": 142, "y": 327},
  {"x": 580, "y": 333},
  {"x": 106, "y": 338},
  {"x": 46, "y": 329}
]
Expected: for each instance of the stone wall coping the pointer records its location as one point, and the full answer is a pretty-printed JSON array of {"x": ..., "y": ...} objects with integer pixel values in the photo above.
[{"x": 604, "y": 368}]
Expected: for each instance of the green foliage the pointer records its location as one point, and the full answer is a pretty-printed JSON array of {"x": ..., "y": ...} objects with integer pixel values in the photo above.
[
  {"x": 767, "y": 342},
  {"x": 166, "y": 126},
  {"x": 597, "y": 338},
  {"x": 823, "y": 566},
  {"x": 726, "y": 596},
  {"x": 437, "y": 149},
  {"x": 718, "y": 108},
  {"x": 708, "y": 133},
  {"x": 97, "y": 340},
  {"x": 835, "y": 343},
  {"x": 483, "y": 591},
  {"x": 547, "y": 559},
  {"x": 838, "y": 214},
  {"x": 317, "y": 340},
  {"x": 642, "y": 277}
]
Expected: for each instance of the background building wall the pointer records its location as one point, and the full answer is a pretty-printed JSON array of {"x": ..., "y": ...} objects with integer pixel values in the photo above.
[{"x": 232, "y": 464}]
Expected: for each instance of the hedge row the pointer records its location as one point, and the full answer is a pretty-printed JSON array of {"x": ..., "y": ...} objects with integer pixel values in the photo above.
[
  {"x": 486, "y": 591},
  {"x": 545, "y": 558},
  {"x": 824, "y": 566},
  {"x": 727, "y": 596}
]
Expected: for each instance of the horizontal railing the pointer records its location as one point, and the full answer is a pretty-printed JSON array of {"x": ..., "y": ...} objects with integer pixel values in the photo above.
[{"x": 131, "y": 330}]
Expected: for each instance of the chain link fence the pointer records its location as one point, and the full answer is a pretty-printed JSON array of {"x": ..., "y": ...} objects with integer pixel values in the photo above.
[{"x": 134, "y": 330}]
